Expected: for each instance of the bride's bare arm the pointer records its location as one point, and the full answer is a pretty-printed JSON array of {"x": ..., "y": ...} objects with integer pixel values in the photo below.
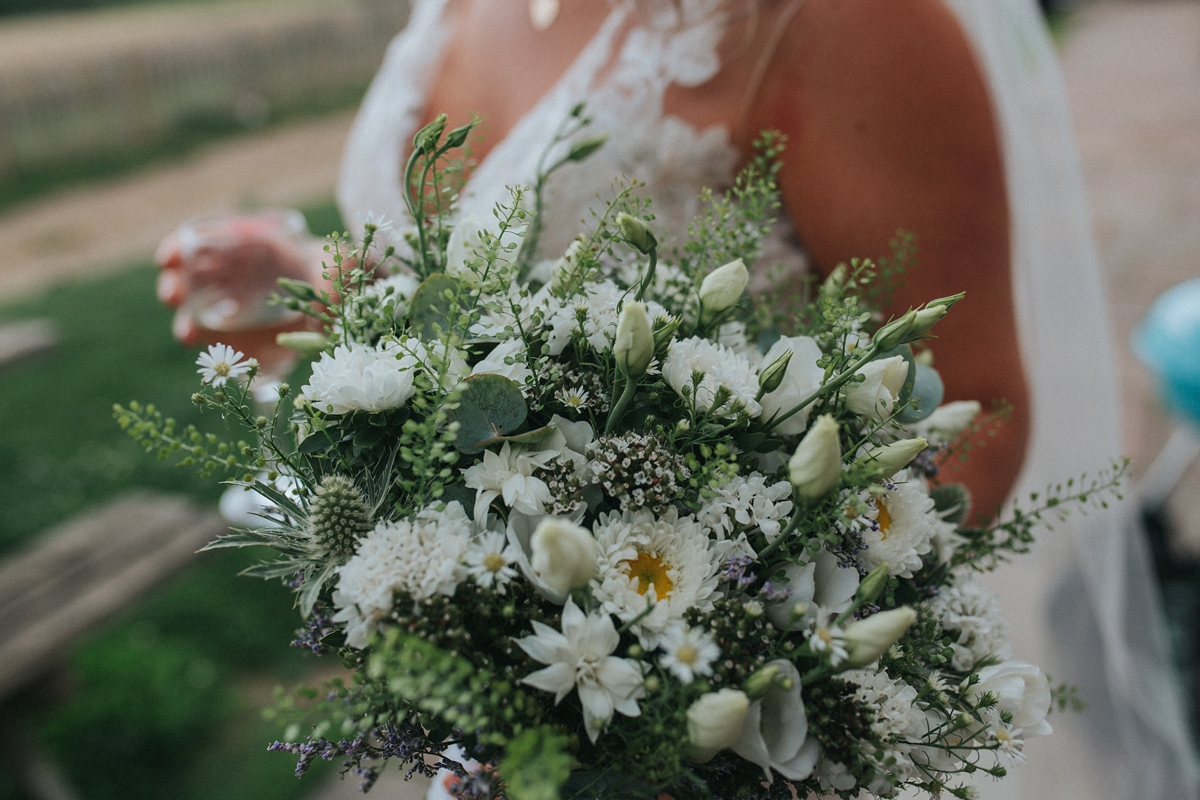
[{"x": 890, "y": 127}]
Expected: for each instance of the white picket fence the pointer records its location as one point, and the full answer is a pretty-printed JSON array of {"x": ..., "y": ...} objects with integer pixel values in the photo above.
[{"x": 137, "y": 97}]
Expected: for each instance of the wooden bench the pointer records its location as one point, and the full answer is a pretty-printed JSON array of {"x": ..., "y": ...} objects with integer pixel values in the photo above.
[{"x": 70, "y": 581}]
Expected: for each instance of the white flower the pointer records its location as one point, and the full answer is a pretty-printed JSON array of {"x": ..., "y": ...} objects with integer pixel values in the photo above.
[
  {"x": 573, "y": 398},
  {"x": 732, "y": 334},
  {"x": 221, "y": 363},
  {"x": 746, "y": 502},
  {"x": 496, "y": 362},
  {"x": 830, "y": 643},
  {"x": 420, "y": 556},
  {"x": 563, "y": 555},
  {"x": 897, "y": 719},
  {"x": 723, "y": 287},
  {"x": 970, "y": 610},
  {"x": 714, "y": 722},
  {"x": 688, "y": 652},
  {"x": 818, "y": 591},
  {"x": 875, "y": 397},
  {"x": 800, "y": 380},
  {"x": 834, "y": 775},
  {"x": 883, "y": 462},
  {"x": 720, "y": 367},
  {"x": 633, "y": 347},
  {"x": 360, "y": 378},
  {"x": 667, "y": 563},
  {"x": 868, "y": 639},
  {"x": 816, "y": 466},
  {"x": 775, "y": 731},
  {"x": 489, "y": 560},
  {"x": 947, "y": 422},
  {"x": 1020, "y": 689},
  {"x": 581, "y": 658},
  {"x": 509, "y": 475},
  {"x": 905, "y": 525}
]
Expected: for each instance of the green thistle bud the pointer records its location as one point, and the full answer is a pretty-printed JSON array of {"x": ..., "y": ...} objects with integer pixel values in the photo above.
[{"x": 339, "y": 517}]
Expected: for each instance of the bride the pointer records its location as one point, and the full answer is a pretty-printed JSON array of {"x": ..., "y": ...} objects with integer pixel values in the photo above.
[{"x": 947, "y": 120}]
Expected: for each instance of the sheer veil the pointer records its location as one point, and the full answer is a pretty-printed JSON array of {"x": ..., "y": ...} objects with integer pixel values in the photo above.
[{"x": 1088, "y": 608}]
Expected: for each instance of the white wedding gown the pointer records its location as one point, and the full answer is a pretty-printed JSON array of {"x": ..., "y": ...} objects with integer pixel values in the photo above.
[{"x": 1083, "y": 604}]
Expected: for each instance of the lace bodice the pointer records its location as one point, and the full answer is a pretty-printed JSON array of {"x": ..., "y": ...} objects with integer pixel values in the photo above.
[{"x": 623, "y": 74}]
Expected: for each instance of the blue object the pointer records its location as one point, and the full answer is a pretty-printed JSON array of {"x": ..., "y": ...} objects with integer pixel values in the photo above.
[{"x": 1168, "y": 342}]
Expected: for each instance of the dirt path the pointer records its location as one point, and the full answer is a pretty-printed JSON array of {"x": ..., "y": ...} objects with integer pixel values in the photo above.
[{"x": 106, "y": 226}]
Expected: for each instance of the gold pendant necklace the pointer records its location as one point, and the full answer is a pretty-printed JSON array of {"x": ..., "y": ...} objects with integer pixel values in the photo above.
[{"x": 542, "y": 13}]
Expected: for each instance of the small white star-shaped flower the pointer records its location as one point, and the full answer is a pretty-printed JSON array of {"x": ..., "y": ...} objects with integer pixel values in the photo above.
[{"x": 221, "y": 363}]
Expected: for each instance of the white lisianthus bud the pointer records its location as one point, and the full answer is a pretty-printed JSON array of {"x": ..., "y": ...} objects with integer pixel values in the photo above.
[
  {"x": 564, "y": 555},
  {"x": 637, "y": 233},
  {"x": 876, "y": 395},
  {"x": 714, "y": 722},
  {"x": 886, "y": 461},
  {"x": 816, "y": 466},
  {"x": 896, "y": 332},
  {"x": 870, "y": 586},
  {"x": 309, "y": 344},
  {"x": 868, "y": 639},
  {"x": 633, "y": 347},
  {"x": 948, "y": 421},
  {"x": 722, "y": 288},
  {"x": 771, "y": 376}
]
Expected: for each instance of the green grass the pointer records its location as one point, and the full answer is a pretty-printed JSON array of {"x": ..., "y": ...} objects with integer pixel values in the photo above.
[{"x": 167, "y": 699}]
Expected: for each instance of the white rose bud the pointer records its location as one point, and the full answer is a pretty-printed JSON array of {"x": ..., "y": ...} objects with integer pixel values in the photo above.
[
  {"x": 634, "y": 346},
  {"x": 722, "y": 288},
  {"x": 816, "y": 466},
  {"x": 868, "y": 639},
  {"x": 714, "y": 722},
  {"x": 886, "y": 461},
  {"x": 564, "y": 555}
]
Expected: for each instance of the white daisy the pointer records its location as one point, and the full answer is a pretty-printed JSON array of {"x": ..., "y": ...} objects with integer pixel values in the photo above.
[
  {"x": 720, "y": 368},
  {"x": 688, "y": 652},
  {"x": 580, "y": 658},
  {"x": 573, "y": 398},
  {"x": 905, "y": 526},
  {"x": 829, "y": 643},
  {"x": 654, "y": 569},
  {"x": 419, "y": 555},
  {"x": 490, "y": 560},
  {"x": 220, "y": 363}
]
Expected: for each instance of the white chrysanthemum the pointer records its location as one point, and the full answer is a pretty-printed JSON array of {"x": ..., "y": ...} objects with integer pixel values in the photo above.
[
  {"x": 359, "y": 378},
  {"x": 721, "y": 368},
  {"x": 497, "y": 362},
  {"x": 580, "y": 658},
  {"x": 905, "y": 526},
  {"x": 743, "y": 503},
  {"x": 733, "y": 335},
  {"x": 220, "y": 363},
  {"x": 489, "y": 559},
  {"x": 420, "y": 556},
  {"x": 667, "y": 562},
  {"x": 897, "y": 720},
  {"x": 509, "y": 475},
  {"x": 969, "y": 611},
  {"x": 688, "y": 652}
]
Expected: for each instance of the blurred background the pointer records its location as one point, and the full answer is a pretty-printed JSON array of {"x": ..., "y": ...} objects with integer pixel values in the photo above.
[{"x": 121, "y": 118}]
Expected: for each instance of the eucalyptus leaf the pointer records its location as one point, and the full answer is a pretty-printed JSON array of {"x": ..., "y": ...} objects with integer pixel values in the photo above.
[
  {"x": 927, "y": 392},
  {"x": 535, "y": 436},
  {"x": 490, "y": 406}
]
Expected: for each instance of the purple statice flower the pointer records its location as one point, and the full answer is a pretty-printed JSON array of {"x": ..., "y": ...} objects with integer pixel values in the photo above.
[
  {"x": 735, "y": 571},
  {"x": 318, "y": 625},
  {"x": 770, "y": 593}
]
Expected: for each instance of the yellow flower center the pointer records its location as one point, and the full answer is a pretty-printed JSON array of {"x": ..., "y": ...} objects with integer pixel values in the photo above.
[
  {"x": 222, "y": 368},
  {"x": 494, "y": 562},
  {"x": 884, "y": 518},
  {"x": 825, "y": 636},
  {"x": 650, "y": 570},
  {"x": 686, "y": 655}
]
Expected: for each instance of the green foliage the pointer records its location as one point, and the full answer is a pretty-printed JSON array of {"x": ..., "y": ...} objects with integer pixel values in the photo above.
[
  {"x": 434, "y": 306},
  {"x": 490, "y": 406},
  {"x": 536, "y": 764}
]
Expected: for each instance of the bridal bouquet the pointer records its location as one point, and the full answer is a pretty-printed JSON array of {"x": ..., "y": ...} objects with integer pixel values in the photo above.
[{"x": 610, "y": 525}]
